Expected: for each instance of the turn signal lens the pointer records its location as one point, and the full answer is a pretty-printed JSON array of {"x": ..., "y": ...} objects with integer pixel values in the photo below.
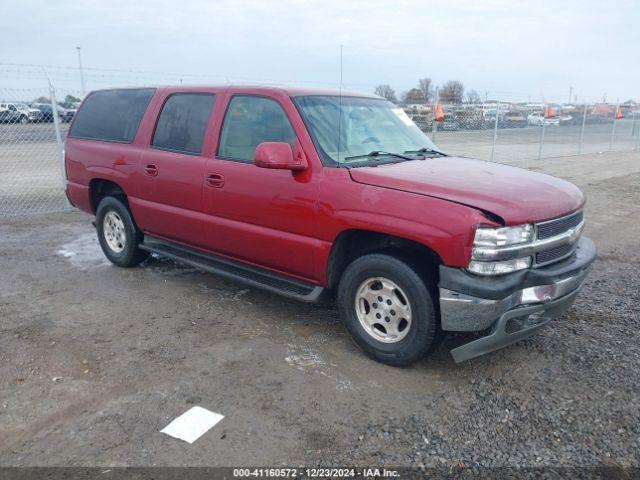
[{"x": 499, "y": 268}]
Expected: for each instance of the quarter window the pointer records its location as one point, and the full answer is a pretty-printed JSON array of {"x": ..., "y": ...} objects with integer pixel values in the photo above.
[
  {"x": 182, "y": 122},
  {"x": 112, "y": 115},
  {"x": 250, "y": 121}
]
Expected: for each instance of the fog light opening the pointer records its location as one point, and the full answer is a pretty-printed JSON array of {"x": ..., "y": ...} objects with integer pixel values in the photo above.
[{"x": 526, "y": 321}]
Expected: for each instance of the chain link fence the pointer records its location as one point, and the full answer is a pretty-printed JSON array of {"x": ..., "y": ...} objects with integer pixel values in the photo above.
[
  {"x": 519, "y": 133},
  {"x": 31, "y": 135},
  {"x": 34, "y": 123}
]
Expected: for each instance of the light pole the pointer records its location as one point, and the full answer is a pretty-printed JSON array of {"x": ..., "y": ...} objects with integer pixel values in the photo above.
[{"x": 82, "y": 87}]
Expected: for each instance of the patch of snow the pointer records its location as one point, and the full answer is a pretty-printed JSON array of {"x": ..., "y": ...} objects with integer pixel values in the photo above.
[{"x": 84, "y": 252}]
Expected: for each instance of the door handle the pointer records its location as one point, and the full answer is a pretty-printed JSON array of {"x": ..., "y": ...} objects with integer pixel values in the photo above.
[
  {"x": 151, "y": 169},
  {"x": 214, "y": 180}
]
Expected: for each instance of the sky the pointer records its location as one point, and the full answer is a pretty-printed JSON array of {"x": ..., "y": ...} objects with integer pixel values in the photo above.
[{"x": 523, "y": 50}]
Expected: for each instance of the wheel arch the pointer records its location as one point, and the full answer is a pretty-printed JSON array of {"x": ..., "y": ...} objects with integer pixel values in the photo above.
[
  {"x": 354, "y": 243},
  {"x": 100, "y": 188}
]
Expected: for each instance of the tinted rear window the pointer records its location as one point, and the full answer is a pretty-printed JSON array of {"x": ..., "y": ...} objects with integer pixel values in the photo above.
[
  {"x": 112, "y": 115},
  {"x": 182, "y": 122}
]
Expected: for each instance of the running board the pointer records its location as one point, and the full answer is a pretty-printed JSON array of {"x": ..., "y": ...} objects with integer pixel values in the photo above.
[{"x": 254, "y": 276}]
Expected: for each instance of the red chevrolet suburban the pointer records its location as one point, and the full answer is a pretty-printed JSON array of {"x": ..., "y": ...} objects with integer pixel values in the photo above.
[{"x": 306, "y": 192}]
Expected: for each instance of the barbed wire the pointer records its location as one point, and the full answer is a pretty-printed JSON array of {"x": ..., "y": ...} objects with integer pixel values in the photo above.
[{"x": 69, "y": 74}]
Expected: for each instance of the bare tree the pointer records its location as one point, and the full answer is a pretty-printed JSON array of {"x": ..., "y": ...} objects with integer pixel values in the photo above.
[
  {"x": 424, "y": 84},
  {"x": 413, "y": 97},
  {"x": 385, "y": 91},
  {"x": 452, "y": 92},
  {"x": 473, "y": 97}
]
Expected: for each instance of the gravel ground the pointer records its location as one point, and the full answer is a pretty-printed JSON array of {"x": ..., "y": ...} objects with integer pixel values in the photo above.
[
  {"x": 132, "y": 349},
  {"x": 570, "y": 399}
]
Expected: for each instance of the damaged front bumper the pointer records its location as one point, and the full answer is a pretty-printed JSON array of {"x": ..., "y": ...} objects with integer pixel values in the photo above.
[{"x": 512, "y": 307}]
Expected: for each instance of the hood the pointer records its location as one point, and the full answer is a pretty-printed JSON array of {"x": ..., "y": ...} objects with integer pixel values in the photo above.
[{"x": 516, "y": 195}]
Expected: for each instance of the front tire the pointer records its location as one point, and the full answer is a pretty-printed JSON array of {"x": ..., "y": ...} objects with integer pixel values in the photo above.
[
  {"x": 388, "y": 308},
  {"x": 118, "y": 234}
]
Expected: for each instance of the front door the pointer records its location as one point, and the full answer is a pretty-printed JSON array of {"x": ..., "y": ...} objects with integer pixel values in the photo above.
[{"x": 258, "y": 215}]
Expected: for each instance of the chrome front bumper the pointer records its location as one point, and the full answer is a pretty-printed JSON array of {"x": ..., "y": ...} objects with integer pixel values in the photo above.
[{"x": 513, "y": 306}]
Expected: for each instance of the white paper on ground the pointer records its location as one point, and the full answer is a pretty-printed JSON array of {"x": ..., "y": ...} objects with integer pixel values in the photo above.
[{"x": 192, "y": 424}]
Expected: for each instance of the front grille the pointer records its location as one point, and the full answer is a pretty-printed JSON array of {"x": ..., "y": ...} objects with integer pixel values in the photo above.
[
  {"x": 556, "y": 227},
  {"x": 555, "y": 253}
]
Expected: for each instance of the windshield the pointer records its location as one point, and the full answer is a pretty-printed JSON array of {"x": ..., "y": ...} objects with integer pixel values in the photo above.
[{"x": 365, "y": 125}]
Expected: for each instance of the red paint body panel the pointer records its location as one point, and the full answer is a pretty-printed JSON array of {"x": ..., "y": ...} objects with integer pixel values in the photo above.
[
  {"x": 515, "y": 194},
  {"x": 288, "y": 221}
]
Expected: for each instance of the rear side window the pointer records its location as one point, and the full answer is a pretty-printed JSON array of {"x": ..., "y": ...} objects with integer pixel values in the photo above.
[
  {"x": 111, "y": 115},
  {"x": 182, "y": 122},
  {"x": 249, "y": 121}
]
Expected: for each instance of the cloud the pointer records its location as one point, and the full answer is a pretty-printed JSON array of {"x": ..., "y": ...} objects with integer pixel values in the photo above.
[{"x": 521, "y": 48}]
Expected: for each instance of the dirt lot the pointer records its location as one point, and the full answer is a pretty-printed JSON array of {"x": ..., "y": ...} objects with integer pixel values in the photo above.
[{"x": 132, "y": 349}]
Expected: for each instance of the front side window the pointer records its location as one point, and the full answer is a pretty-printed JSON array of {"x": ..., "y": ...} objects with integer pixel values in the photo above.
[
  {"x": 347, "y": 129},
  {"x": 250, "y": 121},
  {"x": 182, "y": 122},
  {"x": 111, "y": 115}
]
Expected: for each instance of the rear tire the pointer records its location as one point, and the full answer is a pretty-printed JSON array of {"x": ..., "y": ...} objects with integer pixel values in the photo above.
[
  {"x": 118, "y": 234},
  {"x": 399, "y": 329}
]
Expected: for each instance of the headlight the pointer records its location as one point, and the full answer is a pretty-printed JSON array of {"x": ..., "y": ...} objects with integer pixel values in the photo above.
[
  {"x": 501, "y": 237},
  {"x": 492, "y": 239},
  {"x": 499, "y": 268}
]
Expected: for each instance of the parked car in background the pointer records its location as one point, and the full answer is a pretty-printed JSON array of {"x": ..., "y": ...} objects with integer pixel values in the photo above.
[
  {"x": 64, "y": 114},
  {"x": 33, "y": 114},
  {"x": 566, "y": 119},
  {"x": 70, "y": 105},
  {"x": 25, "y": 114},
  {"x": 513, "y": 119},
  {"x": 538, "y": 119},
  {"x": 45, "y": 110},
  {"x": 450, "y": 124},
  {"x": 267, "y": 186},
  {"x": 9, "y": 115},
  {"x": 67, "y": 112},
  {"x": 489, "y": 118},
  {"x": 471, "y": 121}
]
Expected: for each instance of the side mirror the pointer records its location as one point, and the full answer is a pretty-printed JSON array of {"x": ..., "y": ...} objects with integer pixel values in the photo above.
[{"x": 279, "y": 155}]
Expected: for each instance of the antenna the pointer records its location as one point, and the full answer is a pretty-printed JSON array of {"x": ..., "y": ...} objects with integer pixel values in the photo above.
[
  {"x": 340, "y": 103},
  {"x": 341, "y": 48}
]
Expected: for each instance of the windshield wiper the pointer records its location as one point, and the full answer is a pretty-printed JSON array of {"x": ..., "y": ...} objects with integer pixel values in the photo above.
[
  {"x": 424, "y": 150},
  {"x": 379, "y": 153}
]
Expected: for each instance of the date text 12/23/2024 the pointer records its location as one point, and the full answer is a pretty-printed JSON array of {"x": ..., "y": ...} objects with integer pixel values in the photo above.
[{"x": 284, "y": 472}]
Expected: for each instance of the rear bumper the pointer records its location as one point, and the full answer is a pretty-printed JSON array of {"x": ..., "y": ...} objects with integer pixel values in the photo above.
[{"x": 513, "y": 306}]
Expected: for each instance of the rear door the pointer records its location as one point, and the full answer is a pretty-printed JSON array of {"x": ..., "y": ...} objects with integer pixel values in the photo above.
[{"x": 172, "y": 168}]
